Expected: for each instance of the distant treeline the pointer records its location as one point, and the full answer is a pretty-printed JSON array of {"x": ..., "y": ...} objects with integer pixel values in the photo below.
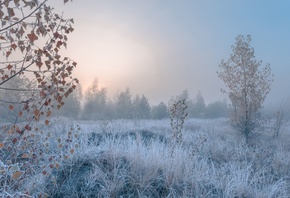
[{"x": 96, "y": 105}]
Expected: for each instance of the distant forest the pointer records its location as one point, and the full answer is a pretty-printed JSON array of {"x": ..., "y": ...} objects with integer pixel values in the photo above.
[{"x": 95, "y": 104}]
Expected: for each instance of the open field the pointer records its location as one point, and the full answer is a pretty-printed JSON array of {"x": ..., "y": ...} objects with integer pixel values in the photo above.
[{"x": 138, "y": 158}]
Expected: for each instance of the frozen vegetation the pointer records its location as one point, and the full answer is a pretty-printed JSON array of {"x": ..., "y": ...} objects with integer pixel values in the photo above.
[
  {"x": 123, "y": 146},
  {"x": 137, "y": 158}
]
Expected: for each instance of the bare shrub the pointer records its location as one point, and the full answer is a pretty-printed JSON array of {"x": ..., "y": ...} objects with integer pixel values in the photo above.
[{"x": 177, "y": 117}]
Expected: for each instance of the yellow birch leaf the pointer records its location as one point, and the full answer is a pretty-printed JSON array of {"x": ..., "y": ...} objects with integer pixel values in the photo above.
[{"x": 17, "y": 174}]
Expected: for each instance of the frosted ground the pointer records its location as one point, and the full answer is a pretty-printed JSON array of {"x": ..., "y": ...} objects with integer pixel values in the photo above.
[{"x": 137, "y": 158}]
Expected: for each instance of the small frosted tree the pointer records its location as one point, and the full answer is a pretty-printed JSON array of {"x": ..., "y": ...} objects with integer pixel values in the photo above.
[
  {"x": 247, "y": 85},
  {"x": 159, "y": 111},
  {"x": 198, "y": 107},
  {"x": 95, "y": 102},
  {"x": 141, "y": 107},
  {"x": 124, "y": 106}
]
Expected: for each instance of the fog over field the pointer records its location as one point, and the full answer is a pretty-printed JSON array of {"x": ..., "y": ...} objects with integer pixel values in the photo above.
[
  {"x": 144, "y": 98},
  {"x": 161, "y": 48}
]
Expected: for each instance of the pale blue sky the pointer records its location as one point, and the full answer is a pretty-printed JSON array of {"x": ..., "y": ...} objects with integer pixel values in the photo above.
[{"x": 159, "y": 48}]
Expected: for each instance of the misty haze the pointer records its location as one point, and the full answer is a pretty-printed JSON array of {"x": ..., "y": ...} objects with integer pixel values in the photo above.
[{"x": 144, "y": 99}]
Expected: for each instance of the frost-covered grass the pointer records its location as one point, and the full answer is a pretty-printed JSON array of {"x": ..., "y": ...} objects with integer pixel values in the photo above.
[{"x": 123, "y": 158}]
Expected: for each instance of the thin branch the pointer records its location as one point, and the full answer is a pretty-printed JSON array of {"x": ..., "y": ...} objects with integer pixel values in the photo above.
[
  {"x": 20, "y": 21},
  {"x": 21, "y": 102},
  {"x": 17, "y": 73},
  {"x": 14, "y": 89}
]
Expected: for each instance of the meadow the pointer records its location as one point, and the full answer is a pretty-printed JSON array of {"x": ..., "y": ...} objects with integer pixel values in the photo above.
[{"x": 139, "y": 158}]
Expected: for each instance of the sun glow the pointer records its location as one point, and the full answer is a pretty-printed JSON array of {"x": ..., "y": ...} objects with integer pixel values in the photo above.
[{"x": 113, "y": 58}]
